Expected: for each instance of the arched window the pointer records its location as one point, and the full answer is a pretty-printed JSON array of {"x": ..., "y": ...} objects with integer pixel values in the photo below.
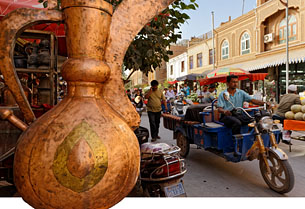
[
  {"x": 292, "y": 29},
  {"x": 225, "y": 50},
  {"x": 245, "y": 43}
]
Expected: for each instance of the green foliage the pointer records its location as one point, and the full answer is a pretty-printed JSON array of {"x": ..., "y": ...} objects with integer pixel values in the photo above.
[
  {"x": 150, "y": 46},
  {"x": 166, "y": 84}
]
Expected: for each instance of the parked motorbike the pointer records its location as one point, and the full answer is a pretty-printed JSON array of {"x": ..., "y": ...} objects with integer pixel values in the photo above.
[
  {"x": 161, "y": 169},
  {"x": 139, "y": 104},
  {"x": 180, "y": 105}
]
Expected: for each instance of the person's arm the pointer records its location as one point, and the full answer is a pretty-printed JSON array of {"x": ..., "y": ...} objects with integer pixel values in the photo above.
[
  {"x": 148, "y": 93},
  {"x": 164, "y": 101},
  {"x": 220, "y": 105},
  {"x": 257, "y": 102},
  {"x": 297, "y": 101},
  {"x": 248, "y": 98}
]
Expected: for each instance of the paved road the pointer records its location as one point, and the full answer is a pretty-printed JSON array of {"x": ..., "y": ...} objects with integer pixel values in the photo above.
[{"x": 211, "y": 176}]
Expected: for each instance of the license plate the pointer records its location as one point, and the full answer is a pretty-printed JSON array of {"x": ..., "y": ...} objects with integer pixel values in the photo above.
[{"x": 174, "y": 190}]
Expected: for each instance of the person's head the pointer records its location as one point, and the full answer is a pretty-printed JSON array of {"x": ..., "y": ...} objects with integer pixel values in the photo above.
[
  {"x": 205, "y": 88},
  {"x": 292, "y": 89},
  {"x": 212, "y": 88},
  {"x": 195, "y": 89},
  {"x": 170, "y": 88},
  {"x": 128, "y": 91},
  {"x": 154, "y": 85},
  {"x": 185, "y": 84},
  {"x": 138, "y": 92},
  {"x": 232, "y": 81},
  {"x": 165, "y": 89}
]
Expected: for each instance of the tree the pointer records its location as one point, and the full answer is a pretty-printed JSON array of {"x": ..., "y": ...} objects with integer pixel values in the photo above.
[{"x": 151, "y": 46}]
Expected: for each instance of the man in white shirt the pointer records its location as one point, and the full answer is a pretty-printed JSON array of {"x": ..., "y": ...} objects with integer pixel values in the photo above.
[{"x": 170, "y": 94}]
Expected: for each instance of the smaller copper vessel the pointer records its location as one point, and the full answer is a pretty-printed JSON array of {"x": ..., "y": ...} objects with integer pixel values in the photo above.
[
  {"x": 32, "y": 52},
  {"x": 44, "y": 57}
]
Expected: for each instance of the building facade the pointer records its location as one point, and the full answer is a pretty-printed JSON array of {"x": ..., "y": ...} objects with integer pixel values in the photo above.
[
  {"x": 160, "y": 74},
  {"x": 177, "y": 67},
  {"x": 256, "y": 42},
  {"x": 200, "y": 54}
]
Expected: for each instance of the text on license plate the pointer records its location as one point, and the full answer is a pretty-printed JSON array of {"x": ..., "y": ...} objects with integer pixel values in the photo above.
[{"x": 174, "y": 190}]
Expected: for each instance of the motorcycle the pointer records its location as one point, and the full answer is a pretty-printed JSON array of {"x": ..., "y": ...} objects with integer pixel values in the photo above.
[
  {"x": 161, "y": 168},
  {"x": 180, "y": 105},
  {"x": 259, "y": 140},
  {"x": 139, "y": 105}
]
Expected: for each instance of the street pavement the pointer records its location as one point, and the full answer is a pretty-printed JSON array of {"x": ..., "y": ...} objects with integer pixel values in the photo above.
[{"x": 209, "y": 175}]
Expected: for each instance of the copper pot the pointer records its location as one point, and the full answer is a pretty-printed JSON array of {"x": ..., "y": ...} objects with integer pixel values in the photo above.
[{"x": 82, "y": 153}]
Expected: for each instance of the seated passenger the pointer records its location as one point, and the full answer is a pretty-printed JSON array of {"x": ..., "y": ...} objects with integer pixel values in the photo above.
[
  {"x": 286, "y": 102},
  {"x": 237, "y": 97},
  {"x": 210, "y": 95}
]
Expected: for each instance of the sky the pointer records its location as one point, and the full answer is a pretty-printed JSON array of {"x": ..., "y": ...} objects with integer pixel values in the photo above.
[{"x": 201, "y": 21}]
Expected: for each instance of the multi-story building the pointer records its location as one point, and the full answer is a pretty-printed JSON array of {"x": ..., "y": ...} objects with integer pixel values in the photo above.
[
  {"x": 160, "y": 74},
  {"x": 137, "y": 79},
  {"x": 200, "y": 54},
  {"x": 256, "y": 42},
  {"x": 177, "y": 66}
]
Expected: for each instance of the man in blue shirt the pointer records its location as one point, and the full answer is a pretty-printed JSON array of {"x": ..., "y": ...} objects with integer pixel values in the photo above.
[
  {"x": 237, "y": 97},
  {"x": 186, "y": 89}
]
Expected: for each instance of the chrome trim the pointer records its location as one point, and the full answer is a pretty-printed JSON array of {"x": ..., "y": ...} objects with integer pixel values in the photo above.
[{"x": 165, "y": 178}]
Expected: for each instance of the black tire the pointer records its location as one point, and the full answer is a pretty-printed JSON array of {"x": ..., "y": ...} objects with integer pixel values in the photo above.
[
  {"x": 184, "y": 144},
  {"x": 279, "y": 169}
]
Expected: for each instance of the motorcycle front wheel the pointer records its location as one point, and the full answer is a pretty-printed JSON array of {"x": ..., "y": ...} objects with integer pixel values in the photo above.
[{"x": 281, "y": 178}]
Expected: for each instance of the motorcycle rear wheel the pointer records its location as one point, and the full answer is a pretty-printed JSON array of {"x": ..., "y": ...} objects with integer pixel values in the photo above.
[
  {"x": 281, "y": 178},
  {"x": 183, "y": 144}
]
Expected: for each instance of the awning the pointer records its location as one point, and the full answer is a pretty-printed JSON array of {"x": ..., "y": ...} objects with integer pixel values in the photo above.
[
  {"x": 190, "y": 77},
  {"x": 172, "y": 82},
  {"x": 257, "y": 76},
  {"x": 295, "y": 56}
]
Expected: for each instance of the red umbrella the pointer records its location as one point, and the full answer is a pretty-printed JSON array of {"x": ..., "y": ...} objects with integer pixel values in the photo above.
[
  {"x": 6, "y": 6},
  {"x": 172, "y": 82}
]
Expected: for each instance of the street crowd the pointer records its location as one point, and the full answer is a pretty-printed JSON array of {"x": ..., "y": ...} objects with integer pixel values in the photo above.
[{"x": 157, "y": 101}]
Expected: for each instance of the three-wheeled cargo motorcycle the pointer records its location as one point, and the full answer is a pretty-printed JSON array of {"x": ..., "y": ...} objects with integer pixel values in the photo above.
[{"x": 258, "y": 140}]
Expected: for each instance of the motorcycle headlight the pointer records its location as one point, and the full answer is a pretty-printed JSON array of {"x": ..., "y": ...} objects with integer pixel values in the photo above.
[{"x": 266, "y": 123}]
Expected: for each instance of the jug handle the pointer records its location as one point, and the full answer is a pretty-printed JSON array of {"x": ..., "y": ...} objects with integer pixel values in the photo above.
[
  {"x": 11, "y": 26},
  {"x": 127, "y": 21}
]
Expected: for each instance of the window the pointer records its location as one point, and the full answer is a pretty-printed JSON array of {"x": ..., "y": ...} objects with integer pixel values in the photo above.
[
  {"x": 182, "y": 66},
  {"x": 199, "y": 60},
  {"x": 211, "y": 56},
  {"x": 245, "y": 43},
  {"x": 172, "y": 69},
  {"x": 292, "y": 29},
  {"x": 191, "y": 62},
  {"x": 225, "y": 50}
]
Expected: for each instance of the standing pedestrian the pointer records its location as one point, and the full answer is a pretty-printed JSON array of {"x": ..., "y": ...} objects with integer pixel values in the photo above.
[
  {"x": 186, "y": 89},
  {"x": 154, "y": 97}
]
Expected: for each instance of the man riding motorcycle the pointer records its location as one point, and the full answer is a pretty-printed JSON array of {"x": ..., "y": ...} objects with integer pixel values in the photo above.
[{"x": 237, "y": 97}]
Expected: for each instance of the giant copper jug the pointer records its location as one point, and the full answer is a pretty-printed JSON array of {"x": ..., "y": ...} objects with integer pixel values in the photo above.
[{"x": 83, "y": 153}]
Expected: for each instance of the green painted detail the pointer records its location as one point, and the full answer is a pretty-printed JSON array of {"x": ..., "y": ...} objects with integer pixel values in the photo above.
[{"x": 60, "y": 170}]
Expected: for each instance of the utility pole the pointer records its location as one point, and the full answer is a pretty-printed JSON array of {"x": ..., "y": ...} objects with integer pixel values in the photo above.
[
  {"x": 213, "y": 46},
  {"x": 243, "y": 9},
  {"x": 285, "y": 2}
]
